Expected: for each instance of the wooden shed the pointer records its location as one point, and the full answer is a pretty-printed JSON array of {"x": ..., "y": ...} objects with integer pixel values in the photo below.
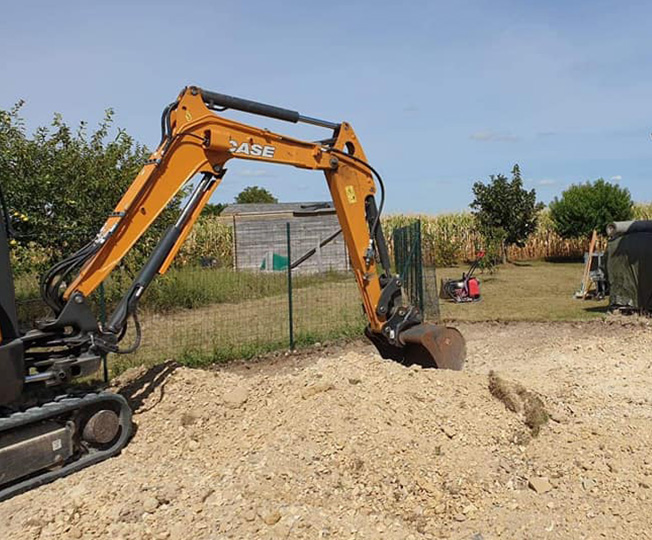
[{"x": 260, "y": 236}]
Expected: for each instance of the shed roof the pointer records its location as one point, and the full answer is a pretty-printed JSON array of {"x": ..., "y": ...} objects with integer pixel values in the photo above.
[{"x": 296, "y": 208}]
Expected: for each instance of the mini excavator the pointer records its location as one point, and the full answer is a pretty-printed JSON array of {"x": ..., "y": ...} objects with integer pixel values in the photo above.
[{"x": 45, "y": 435}]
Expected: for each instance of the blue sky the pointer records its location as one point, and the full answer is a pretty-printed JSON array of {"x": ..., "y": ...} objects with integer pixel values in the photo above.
[{"x": 441, "y": 94}]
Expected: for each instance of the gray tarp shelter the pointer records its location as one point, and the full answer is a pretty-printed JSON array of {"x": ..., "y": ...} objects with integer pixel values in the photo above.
[{"x": 629, "y": 265}]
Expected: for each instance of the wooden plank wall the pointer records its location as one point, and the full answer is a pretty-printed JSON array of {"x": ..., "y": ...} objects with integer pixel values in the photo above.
[{"x": 254, "y": 238}]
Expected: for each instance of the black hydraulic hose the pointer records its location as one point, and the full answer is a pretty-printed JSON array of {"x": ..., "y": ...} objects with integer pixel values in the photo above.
[
  {"x": 166, "y": 126},
  {"x": 53, "y": 278},
  {"x": 136, "y": 344}
]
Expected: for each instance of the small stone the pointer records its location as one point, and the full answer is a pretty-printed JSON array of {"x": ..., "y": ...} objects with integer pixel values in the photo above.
[
  {"x": 354, "y": 380},
  {"x": 588, "y": 484},
  {"x": 205, "y": 494},
  {"x": 249, "y": 515},
  {"x": 236, "y": 397},
  {"x": 540, "y": 485},
  {"x": 460, "y": 517},
  {"x": 469, "y": 509},
  {"x": 75, "y": 532},
  {"x": 316, "y": 389},
  {"x": 167, "y": 493},
  {"x": 150, "y": 504},
  {"x": 428, "y": 486},
  {"x": 644, "y": 485},
  {"x": 193, "y": 444},
  {"x": 129, "y": 512},
  {"x": 449, "y": 431},
  {"x": 272, "y": 518}
]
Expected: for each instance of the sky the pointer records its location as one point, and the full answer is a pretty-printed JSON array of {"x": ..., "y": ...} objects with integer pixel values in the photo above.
[{"x": 441, "y": 94}]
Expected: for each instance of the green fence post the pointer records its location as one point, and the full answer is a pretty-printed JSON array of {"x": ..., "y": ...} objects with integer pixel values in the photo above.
[
  {"x": 102, "y": 301},
  {"x": 290, "y": 314},
  {"x": 419, "y": 262}
]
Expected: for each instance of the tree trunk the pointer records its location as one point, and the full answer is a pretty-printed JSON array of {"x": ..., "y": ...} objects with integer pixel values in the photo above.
[{"x": 504, "y": 252}]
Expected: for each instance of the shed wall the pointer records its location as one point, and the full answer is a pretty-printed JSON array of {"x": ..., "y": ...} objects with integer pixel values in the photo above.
[{"x": 255, "y": 238}]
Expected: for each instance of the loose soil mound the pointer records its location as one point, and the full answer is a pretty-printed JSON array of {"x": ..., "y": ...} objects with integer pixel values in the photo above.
[{"x": 338, "y": 443}]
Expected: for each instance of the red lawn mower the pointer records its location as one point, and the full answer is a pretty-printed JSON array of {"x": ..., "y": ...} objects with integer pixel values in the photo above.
[{"x": 466, "y": 289}]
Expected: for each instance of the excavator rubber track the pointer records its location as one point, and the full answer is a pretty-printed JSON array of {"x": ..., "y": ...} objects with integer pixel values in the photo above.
[{"x": 65, "y": 426}]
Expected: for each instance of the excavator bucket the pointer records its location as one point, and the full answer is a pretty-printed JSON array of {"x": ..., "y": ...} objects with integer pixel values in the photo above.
[
  {"x": 430, "y": 345},
  {"x": 426, "y": 344}
]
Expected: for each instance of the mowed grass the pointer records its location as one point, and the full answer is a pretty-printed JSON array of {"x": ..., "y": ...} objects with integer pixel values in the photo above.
[
  {"x": 525, "y": 291},
  {"x": 328, "y": 310},
  {"x": 226, "y": 331}
]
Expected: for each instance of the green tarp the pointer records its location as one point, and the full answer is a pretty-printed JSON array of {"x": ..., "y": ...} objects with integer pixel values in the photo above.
[
  {"x": 629, "y": 265},
  {"x": 274, "y": 262}
]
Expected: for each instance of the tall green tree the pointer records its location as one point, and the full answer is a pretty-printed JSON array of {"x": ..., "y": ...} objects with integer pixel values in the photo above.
[
  {"x": 61, "y": 183},
  {"x": 504, "y": 209},
  {"x": 255, "y": 194},
  {"x": 583, "y": 208}
]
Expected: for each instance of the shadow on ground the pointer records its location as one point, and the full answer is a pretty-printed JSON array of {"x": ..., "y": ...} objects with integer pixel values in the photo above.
[{"x": 138, "y": 389}]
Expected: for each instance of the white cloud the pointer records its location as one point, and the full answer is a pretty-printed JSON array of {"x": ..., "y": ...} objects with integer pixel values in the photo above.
[
  {"x": 616, "y": 178},
  {"x": 255, "y": 173},
  {"x": 492, "y": 136}
]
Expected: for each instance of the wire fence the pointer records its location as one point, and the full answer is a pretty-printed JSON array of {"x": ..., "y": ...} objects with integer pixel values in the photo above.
[{"x": 295, "y": 289}]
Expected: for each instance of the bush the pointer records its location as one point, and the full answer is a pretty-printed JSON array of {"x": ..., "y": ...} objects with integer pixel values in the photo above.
[
  {"x": 61, "y": 183},
  {"x": 590, "y": 206}
]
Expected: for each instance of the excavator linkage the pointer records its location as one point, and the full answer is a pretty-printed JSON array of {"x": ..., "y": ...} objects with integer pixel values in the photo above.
[{"x": 57, "y": 437}]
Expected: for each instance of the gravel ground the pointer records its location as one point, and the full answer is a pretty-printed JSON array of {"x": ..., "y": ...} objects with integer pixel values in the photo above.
[{"x": 338, "y": 443}]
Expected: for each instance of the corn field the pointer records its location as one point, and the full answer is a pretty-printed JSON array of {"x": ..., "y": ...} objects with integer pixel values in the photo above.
[
  {"x": 448, "y": 239},
  {"x": 210, "y": 242}
]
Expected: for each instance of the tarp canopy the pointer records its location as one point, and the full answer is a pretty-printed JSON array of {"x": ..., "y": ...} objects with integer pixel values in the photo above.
[{"x": 629, "y": 265}]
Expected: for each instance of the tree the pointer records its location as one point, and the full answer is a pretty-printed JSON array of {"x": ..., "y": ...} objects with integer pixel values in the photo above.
[
  {"x": 61, "y": 183},
  {"x": 503, "y": 205},
  {"x": 592, "y": 205},
  {"x": 255, "y": 194}
]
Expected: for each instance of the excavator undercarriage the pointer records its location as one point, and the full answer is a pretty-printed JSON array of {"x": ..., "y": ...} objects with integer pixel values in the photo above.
[{"x": 45, "y": 435}]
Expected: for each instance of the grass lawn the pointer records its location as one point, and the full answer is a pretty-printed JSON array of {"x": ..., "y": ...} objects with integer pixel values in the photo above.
[
  {"x": 531, "y": 291},
  {"x": 200, "y": 316}
]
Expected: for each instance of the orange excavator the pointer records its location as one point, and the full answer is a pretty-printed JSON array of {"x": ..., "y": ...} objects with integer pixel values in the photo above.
[{"x": 44, "y": 436}]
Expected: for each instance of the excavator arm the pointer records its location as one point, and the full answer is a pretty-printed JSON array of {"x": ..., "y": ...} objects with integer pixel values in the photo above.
[
  {"x": 43, "y": 437},
  {"x": 197, "y": 141}
]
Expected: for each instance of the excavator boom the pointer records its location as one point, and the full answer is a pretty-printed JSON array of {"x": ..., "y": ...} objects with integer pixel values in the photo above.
[{"x": 197, "y": 142}]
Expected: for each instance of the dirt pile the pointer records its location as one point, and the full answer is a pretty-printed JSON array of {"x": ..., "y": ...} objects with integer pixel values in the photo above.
[{"x": 342, "y": 444}]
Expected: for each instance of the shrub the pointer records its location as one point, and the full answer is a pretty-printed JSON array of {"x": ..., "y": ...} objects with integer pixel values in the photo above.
[{"x": 583, "y": 208}]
